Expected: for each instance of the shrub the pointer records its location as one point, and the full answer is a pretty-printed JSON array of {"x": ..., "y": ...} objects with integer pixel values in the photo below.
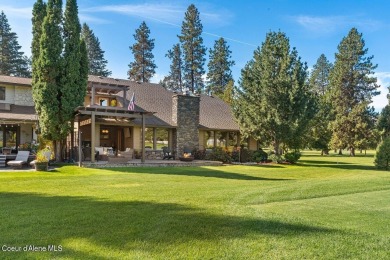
[
  {"x": 259, "y": 156},
  {"x": 218, "y": 154},
  {"x": 199, "y": 154},
  {"x": 246, "y": 155},
  {"x": 292, "y": 157},
  {"x": 276, "y": 158},
  {"x": 382, "y": 156}
]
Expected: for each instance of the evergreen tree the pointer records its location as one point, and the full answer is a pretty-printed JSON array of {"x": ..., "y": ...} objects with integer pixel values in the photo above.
[
  {"x": 174, "y": 80},
  {"x": 48, "y": 71},
  {"x": 228, "y": 93},
  {"x": 72, "y": 91},
  {"x": 320, "y": 133},
  {"x": 143, "y": 67},
  {"x": 39, "y": 13},
  {"x": 220, "y": 63},
  {"x": 384, "y": 119},
  {"x": 193, "y": 50},
  {"x": 96, "y": 62},
  {"x": 12, "y": 60},
  {"x": 352, "y": 90},
  {"x": 273, "y": 103}
]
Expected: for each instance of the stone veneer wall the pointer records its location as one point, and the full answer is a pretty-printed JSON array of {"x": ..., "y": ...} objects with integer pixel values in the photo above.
[
  {"x": 23, "y": 96},
  {"x": 186, "y": 115}
]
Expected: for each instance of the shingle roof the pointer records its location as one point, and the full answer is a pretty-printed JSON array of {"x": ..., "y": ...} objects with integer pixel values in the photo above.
[
  {"x": 214, "y": 113},
  {"x": 23, "y": 113},
  {"x": 15, "y": 80}
]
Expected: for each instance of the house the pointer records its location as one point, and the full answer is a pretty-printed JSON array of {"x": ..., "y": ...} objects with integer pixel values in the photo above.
[{"x": 105, "y": 123}]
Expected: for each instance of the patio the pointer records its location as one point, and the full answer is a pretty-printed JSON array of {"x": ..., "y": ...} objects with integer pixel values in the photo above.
[{"x": 151, "y": 163}]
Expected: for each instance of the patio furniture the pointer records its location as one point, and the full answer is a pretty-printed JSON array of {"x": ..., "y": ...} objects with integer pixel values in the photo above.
[
  {"x": 6, "y": 150},
  {"x": 20, "y": 160},
  {"x": 167, "y": 153},
  {"x": 128, "y": 153}
]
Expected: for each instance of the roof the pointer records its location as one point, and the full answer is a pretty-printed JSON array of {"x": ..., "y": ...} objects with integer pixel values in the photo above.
[
  {"x": 215, "y": 114},
  {"x": 15, "y": 80},
  {"x": 18, "y": 113}
]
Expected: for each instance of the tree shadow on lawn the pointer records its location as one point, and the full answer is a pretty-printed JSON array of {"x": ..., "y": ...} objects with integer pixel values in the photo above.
[
  {"x": 35, "y": 219},
  {"x": 337, "y": 165},
  {"x": 218, "y": 172}
]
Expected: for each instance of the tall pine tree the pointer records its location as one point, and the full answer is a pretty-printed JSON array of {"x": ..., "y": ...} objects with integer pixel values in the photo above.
[
  {"x": 12, "y": 60},
  {"x": 193, "y": 49},
  {"x": 97, "y": 64},
  {"x": 143, "y": 67},
  {"x": 273, "y": 103},
  {"x": 174, "y": 80},
  {"x": 352, "y": 90},
  {"x": 220, "y": 63},
  {"x": 320, "y": 132}
]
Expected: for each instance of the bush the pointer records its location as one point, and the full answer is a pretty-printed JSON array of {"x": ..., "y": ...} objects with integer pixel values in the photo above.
[
  {"x": 199, "y": 154},
  {"x": 218, "y": 154},
  {"x": 276, "y": 158},
  {"x": 246, "y": 155},
  {"x": 292, "y": 157},
  {"x": 382, "y": 156},
  {"x": 259, "y": 156}
]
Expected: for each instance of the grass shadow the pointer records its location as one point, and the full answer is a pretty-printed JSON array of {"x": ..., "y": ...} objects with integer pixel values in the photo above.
[
  {"x": 217, "y": 172},
  {"x": 34, "y": 219},
  {"x": 337, "y": 165}
]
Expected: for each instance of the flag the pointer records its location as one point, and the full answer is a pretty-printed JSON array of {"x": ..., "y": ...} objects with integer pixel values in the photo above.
[{"x": 131, "y": 103}]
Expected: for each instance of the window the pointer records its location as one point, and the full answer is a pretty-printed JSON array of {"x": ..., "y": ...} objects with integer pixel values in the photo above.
[{"x": 2, "y": 93}]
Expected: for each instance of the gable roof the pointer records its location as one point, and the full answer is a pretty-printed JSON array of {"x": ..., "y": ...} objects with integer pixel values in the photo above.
[{"x": 15, "y": 80}]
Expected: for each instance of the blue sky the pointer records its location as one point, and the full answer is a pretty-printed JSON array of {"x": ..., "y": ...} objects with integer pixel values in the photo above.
[{"x": 313, "y": 27}]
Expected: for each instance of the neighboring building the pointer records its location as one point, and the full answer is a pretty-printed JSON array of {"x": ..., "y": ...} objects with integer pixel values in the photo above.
[{"x": 171, "y": 119}]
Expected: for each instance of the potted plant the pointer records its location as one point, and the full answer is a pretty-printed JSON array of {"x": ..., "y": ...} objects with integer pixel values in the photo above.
[{"x": 42, "y": 160}]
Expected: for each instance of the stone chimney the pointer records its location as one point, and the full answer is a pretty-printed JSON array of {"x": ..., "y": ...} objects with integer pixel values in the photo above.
[{"x": 186, "y": 116}]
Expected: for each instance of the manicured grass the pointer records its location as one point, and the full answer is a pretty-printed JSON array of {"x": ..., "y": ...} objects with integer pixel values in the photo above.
[{"x": 333, "y": 207}]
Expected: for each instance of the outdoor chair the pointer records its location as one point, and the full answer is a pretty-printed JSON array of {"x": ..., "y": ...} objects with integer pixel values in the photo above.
[
  {"x": 167, "y": 153},
  {"x": 20, "y": 160}
]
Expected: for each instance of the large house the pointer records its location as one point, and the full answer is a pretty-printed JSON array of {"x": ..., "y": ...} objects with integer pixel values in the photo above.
[{"x": 104, "y": 123}]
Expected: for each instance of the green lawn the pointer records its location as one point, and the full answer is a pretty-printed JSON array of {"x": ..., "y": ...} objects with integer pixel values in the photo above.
[{"x": 323, "y": 208}]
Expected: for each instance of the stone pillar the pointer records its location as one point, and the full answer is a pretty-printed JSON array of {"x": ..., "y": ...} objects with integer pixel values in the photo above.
[{"x": 186, "y": 115}]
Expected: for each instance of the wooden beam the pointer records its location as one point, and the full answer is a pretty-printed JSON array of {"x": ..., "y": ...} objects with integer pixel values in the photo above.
[
  {"x": 143, "y": 139},
  {"x": 93, "y": 137}
]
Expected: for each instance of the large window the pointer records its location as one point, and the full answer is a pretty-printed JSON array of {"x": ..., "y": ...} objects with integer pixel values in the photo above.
[
  {"x": 161, "y": 138},
  {"x": 2, "y": 93},
  {"x": 8, "y": 136}
]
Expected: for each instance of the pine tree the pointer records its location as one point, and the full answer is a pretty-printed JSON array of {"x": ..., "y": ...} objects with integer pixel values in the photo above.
[
  {"x": 352, "y": 90},
  {"x": 193, "y": 50},
  {"x": 220, "y": 63},
  {"x": 273, "y": 103},
  {"x": 39, "y": 13},
  {"x": 383, "y": 124},
  {"x": 48, "y": 71},
  {"x": 143, "y": 67},
  {"x": 12, "y": 60},
  {"x": 320, "y": 132},
  {"x": 97, "y": 64},
  {"x": 174, "y": 80}
]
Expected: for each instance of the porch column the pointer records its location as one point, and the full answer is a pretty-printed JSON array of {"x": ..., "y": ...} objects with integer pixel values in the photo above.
[
  {"x": 78, "y": 123},
  {"x": 71, "y": 155},
  {"x": 154, "y": 138},
  {"x": 93, "y": 95},
  {"x": 93, "y": 137},
  {"x": 170, "y": 139},
  {"x": 215, "y": 138},
  {"x": 227, "y": 140},
  {"x": 143, "y": 139}
]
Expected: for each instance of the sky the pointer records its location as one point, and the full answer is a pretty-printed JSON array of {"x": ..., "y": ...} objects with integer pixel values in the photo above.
[{"x": 313, "y": 27}]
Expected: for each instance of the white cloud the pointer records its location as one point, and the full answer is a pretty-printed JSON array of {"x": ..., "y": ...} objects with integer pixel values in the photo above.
[
  {"x": 165, "y": 13},
  {"x": 25, "y": 12},
  {"x": 91, "y": 19},
  {"x": 329, "y": 24},
  {"x": 381, "y": 100}
]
